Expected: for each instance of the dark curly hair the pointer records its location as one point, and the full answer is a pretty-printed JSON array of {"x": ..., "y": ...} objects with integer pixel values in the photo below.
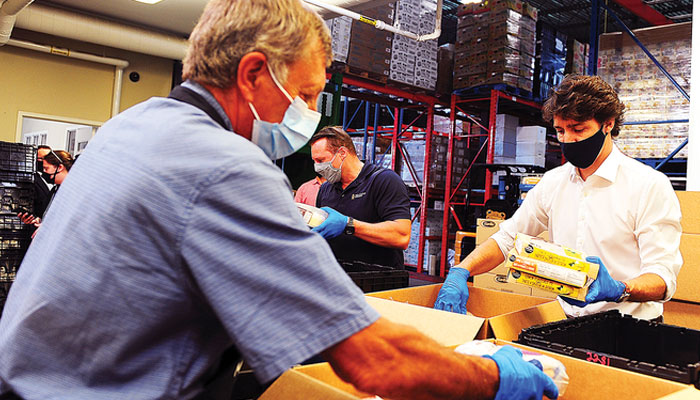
[{"x": 581, "y": 98}]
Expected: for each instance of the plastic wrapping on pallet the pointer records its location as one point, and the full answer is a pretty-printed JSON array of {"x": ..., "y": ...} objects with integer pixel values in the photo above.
[{"x": 625, "y": 66}]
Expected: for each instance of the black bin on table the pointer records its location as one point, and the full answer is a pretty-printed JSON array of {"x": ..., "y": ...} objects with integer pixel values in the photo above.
[
  {"x": 374, "y": 277},
  {"x": 622, "y": 341}
]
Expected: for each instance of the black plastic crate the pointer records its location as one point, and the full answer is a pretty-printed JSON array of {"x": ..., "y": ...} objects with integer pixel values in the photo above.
[
  {"x": 15, "y": 195},
  {"x": 10, "y": 223},
  {"x": 4, "y": 290},
  {"x": 373, "y": 277},
  {"x": 10, "y": 260},
  {"x": 17, "y": 157},
  {"x": 14, "y": 176},
  {"x": 610, "y": 338},
  {"x": 13, "y": 241}
]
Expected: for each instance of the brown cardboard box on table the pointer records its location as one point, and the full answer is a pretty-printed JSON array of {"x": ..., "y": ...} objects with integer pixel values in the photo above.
[
  {"x": 586, "y": 380},
  {"x": 497, "y": 314},
  {"x": 684, "y": 308}
]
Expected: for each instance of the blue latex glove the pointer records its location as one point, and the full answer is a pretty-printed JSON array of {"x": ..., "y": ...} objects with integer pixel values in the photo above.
[
  {"x": 333, "y": 226},
  {"x": 604, "y": 288},
  {"x": 520, "y": 379},
  {"x": 454, "y": 293}
]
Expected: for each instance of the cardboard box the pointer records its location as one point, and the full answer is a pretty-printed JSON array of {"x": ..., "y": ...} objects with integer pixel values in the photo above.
[
  {"x": 485, "y": 228},
  {"x": 498, "y": 281},
  {"x": 496, "y": 314},
  {"x": 690, "y": 211},
  {"x": 587, "y": 380},
  {"x": 688, "y": 283},
  {"x": 682, "y": 313}
]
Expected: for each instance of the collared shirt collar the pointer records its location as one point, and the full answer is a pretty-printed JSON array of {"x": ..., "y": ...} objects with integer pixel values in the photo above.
[
  {"x": 607, "y": 170},
  {"x": 202, "y": 91}
]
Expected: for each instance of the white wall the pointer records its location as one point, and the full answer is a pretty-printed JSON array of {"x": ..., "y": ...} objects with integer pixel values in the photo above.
[
  {"x": 693, "y": 138},
  {"x": 56, "y": 130}
]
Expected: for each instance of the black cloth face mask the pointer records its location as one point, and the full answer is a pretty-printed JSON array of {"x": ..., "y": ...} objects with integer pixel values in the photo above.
[
  {"x": 39, "y": 165},
  {"x": 50, "y": 178},
  {"x": 583, "y": 153}
]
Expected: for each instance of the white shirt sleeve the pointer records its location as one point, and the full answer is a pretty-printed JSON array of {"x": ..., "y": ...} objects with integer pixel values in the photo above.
[
  {"x": 658, "y": 233},
  {"x": 531, "y": 218}
]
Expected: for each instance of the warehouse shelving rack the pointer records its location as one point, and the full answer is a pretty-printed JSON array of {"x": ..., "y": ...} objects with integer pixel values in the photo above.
[
  {"x": 396, "y": 101},
  {"x": 497, "y": 99},
  {"x": 596, "y": 7}
]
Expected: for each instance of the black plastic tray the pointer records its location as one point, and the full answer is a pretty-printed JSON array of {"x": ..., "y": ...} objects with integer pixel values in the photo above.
[
  {"x": 373, "y": 277},
  {"x": 610, "y": 338},
  {"x": 16, "y": 157}
]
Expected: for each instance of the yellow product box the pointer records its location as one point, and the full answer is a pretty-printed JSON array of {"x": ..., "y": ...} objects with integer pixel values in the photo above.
[
  {"x": 554, "y": 272},
  {"x": 538, "y": 249},
  {"x": 546, "y": 266},
  {"x": 561, "y": 289}
]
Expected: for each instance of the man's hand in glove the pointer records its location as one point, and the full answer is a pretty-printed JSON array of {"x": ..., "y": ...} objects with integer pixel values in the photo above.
[
  {"x": 454, "y": 293},
  {"x": 333, "y": 226},
  {"x": 520, "y": 379},
  {"x": 604, "y": 288}
]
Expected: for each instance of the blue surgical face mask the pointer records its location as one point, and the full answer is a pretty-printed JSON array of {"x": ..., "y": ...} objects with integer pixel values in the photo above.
[{"x": 281, "y": 139}]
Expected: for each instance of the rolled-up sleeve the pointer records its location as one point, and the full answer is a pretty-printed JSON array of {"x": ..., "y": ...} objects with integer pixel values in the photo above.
[
  {"x": 531, "y": 218},
  {"x": 659, "y": 234}
]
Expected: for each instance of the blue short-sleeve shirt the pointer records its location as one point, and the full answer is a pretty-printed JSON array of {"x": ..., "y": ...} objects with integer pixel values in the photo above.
[
  {"x": 170, "y": 240},
  {"x": 376, "y": 195}
]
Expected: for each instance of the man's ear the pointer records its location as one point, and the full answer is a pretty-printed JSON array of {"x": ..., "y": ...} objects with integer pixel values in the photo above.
[
  {"x": 251, "y": 67},
  {"x": 608, "y": 126}
]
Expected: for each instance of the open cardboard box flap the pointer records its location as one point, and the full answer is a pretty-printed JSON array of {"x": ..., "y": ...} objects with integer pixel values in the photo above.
[
  {"x": 505, "y": 314},
  {"x": 448, "y": 329},
  {"x": 587, "y": 380}
]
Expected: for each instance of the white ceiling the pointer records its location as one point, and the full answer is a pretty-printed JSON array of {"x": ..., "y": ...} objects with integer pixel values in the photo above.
[{"x": 174, "y": 16}]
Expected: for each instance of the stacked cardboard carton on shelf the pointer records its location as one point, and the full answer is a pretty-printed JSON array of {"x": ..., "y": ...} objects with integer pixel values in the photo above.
[
  {"x": 412, "y": 62},
  {"x": 496, "y": 45},
  {"x": 340, "y": 28},
  {"x": 531, "y": 145},
  {"x": 370, "y": 48},
  {"x": 577, "y": 57},
  {"x": 648, "y": 95},
  {"x": 431, "y": 251},
  {"x": 505, "y": 141}
]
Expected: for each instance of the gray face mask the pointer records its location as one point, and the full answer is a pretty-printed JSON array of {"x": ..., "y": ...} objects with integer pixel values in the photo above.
[{"x": 328, "y": 171}]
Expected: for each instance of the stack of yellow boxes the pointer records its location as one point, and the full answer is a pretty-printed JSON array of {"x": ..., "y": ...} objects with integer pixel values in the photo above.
[
  {"x": 539, "y": 264},
  {"x": 497, "y": 278}
]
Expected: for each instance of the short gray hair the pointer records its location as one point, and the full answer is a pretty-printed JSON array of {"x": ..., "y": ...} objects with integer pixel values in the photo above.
[{"x": 283, "y": 30}]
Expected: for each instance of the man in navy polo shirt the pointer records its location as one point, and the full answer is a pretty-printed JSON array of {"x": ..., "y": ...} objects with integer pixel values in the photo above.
[{"x": 368, "y": 206}]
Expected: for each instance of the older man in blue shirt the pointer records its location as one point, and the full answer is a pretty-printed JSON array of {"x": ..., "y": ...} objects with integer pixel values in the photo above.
[{"x": 135, "y": 289}]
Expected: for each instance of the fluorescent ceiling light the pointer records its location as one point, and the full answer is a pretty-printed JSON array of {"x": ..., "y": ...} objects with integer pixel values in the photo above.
[
  {"x": 461, "y": 1},
  {"x": 149, "y": 1}
]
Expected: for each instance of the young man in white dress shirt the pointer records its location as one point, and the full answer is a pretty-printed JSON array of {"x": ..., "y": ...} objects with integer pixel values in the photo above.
[{"x": 619, "y": 211}]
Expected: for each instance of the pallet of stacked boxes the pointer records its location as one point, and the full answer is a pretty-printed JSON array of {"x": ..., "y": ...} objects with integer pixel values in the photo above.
[
  {"x": 414, "y": 63},
  {"x": 369, "y": 53},
  {"x": 576, "y": 57},
  {"x": 551, "y": 60},
  {"x": 496, "y": 45},
  {"x": 648, "y": 95},
  {"x": 17, "y": 193},
  {"x": 340, "y": 28}
]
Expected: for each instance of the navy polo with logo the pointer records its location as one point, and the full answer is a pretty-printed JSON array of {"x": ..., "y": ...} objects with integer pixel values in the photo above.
[{"x": 376, "y": 195}]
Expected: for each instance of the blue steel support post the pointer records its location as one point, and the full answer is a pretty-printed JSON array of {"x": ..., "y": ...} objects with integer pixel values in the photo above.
[
  {"x": 364, "y": 141},
  {"x": 593, "y": 38},
  {"x": 346, "y": 103},
  {"x": 377, "y": 108}
]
